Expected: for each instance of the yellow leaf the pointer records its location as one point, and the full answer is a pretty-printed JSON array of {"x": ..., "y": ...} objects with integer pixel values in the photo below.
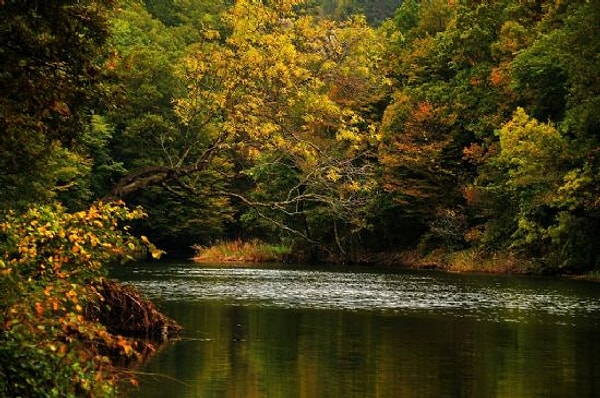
[
  {"x": 333, "y": 175},
  {"x": 156, "y": 253}
]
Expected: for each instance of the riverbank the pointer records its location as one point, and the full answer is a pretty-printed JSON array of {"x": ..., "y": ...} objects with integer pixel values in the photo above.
[
  {"x": 66, "y": 330},
  {"x": 475, "y": 261},
  {"x": 468, "y": 260},
  {"x": 123, "y": 311},
  {"x": 255, "y": 251},
  {"x": 459, "y": 261}
]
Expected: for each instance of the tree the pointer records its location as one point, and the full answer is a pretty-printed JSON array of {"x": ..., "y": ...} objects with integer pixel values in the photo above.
[
  {"x": 453, "y": 66},
  {"x": 284, "y": 90},
  {"x": 50, "y": 265},
  {"x": 536, "y": 180},
  {"x": 291, "y": 93},
  {"x": 441, "y": 104},
  {"x": 544, "y": 203},
  {"x": 142, "y": 128},
  {"x": 50, "y": 81}
]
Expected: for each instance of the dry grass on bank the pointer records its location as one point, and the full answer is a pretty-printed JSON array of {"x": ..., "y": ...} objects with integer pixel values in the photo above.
[
  {"x": 460, "y": 261},
  {"x": 241, "y": 251},
  {"x": 476, "y": 261},
  {"x": 470, "y": 260}
]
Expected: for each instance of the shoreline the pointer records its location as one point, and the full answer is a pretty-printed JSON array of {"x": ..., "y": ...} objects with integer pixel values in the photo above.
[{"x": 464, "y": 261}]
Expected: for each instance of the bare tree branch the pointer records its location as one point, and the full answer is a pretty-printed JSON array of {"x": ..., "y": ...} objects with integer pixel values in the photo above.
[{"x": 257, "y": 205}]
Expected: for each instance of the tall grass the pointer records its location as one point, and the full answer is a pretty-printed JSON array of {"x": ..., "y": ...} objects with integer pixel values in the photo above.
[
  {"x": 473, "y": 260},
  {"x": 241, "y": 251},
  {"x": 469, "y": 260}
]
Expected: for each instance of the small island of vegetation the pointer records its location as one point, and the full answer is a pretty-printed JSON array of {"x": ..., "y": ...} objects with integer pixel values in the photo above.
[{"x": 253, "y": 251}]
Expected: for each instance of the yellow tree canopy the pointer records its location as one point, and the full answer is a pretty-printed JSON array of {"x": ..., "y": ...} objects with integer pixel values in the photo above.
[
  {"x": 283, "y": 86},
  {"x": 282, "y": 80}
]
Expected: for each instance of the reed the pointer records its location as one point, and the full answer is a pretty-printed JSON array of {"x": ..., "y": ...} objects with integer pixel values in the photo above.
[
  {"x": 241, "y": 251},
  {"x": 473, "y": 260},
  {"x": 469, "y": 260}
]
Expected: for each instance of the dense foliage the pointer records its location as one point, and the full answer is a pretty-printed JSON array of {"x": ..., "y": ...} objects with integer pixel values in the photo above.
[
  {"x": 374, "y": 11},
  {"x": 452, "y": 127},
  {"x": 50, "y": 261},
  {"x": 51, "y": 253},
  {"x": 492, "y": 119},
  {"x": 49, "y": 78}
]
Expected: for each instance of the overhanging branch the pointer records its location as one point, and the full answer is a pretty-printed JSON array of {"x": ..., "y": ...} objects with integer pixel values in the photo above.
[{"x": 159, "y": 175}]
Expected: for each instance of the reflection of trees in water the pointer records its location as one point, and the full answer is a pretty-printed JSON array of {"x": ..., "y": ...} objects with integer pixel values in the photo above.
[{"x": 251, "y": 350}]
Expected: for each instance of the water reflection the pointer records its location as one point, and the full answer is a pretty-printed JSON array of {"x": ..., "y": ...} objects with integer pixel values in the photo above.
[{"x": 309, "y": 333}]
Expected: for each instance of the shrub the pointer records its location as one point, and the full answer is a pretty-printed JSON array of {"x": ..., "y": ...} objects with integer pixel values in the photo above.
[{"x": 49, "y": 262}]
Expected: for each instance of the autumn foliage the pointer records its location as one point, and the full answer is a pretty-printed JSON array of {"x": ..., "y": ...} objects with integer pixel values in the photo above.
[
  {"x": 454, "y": 126},
  {"x": 52, "y": 265}
]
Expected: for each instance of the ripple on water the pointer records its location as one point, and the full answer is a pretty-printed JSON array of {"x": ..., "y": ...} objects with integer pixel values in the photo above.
[{"x": 401, "y": 292}]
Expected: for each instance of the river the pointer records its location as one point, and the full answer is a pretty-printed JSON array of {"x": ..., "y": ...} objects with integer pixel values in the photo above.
[{"x": 279, "y": 331}]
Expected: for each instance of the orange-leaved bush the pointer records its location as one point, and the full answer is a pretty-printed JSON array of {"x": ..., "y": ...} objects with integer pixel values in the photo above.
[{"x": 49, "y": 262}]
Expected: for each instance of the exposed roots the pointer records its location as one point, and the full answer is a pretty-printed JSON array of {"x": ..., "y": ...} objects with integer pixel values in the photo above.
[{"x": 123, "y": 310}]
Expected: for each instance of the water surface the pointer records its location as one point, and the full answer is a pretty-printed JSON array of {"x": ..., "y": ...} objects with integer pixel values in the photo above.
[{"x": 278, "y": 331}]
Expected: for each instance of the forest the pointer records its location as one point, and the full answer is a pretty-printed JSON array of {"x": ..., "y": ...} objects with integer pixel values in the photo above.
[{"x": 459, "y": 133}]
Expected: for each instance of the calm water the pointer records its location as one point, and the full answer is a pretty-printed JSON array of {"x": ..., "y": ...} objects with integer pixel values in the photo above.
[{"x": 305, "y": 332}]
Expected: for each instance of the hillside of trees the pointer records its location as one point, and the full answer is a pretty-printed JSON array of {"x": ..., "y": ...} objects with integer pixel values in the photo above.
[
  {"x": 374, "y": 11},
  {"x": 461, "y": 126},
  {"x": 453, "y": 125}
]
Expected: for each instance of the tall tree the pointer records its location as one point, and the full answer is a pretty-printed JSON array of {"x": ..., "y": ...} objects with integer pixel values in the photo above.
[
  {"x": 144, "y": 130},
  {"x": 49, "y": 82},
  {"x": 280, "y": 91},
  {"x": 552, "y": 215},
  {"x": 291, "y": 92},
  {"x": 452, "y": 65}
]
